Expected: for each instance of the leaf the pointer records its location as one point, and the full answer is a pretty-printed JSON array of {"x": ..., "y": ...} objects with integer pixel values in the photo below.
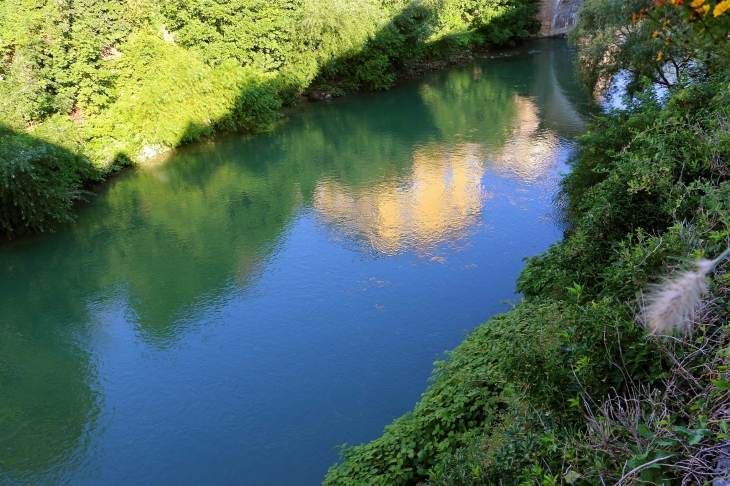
[
  {"x": 571, "y": 477},
  {"x": 721, "y": 384},
  {"x": 645, "y": 432}
]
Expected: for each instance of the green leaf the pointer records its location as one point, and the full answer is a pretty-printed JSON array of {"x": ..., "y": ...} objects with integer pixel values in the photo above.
[
  {"x": 645, "y": 432},
  {"x": 721, "y": 384},
  {"x": 571, "y": 477}
]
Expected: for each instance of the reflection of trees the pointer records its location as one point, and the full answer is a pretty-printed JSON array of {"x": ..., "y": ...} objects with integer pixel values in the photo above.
[
  {"x": 203, "y": 224},
  {"x": 440, "y": 196},
  {"x": 476, "y": 103},
  {"x": 174, "y": 239},
  {"x": 564, "y": 105},
  {"x": 47, "y": 403},
  {"x": 472, "y": 104}
]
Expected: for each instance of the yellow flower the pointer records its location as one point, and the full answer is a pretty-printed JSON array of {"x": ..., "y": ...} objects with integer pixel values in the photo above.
[
  {"x": 668, "y": 41},
  {"x": 704, "y": 9},
  {"x": 720, "y": 8},
  {"x": 696, "y": 3},
  {"x": 660, "y": 56},
  {"x": 655, "y": 34}
]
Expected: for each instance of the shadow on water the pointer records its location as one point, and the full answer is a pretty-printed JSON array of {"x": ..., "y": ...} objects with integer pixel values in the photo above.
[{"x": 163, "y": 246}]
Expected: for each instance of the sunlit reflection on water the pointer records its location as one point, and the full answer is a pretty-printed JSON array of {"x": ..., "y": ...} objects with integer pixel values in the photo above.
[
  {"x": 529, "y": 153},
  {"x": 441, "y": 197}
]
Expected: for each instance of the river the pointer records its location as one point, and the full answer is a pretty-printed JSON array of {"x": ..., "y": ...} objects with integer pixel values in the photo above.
[{"x": 233, "y": 311}]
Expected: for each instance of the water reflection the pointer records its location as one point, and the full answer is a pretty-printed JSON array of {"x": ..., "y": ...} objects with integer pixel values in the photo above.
[
  {"x": 48, "y": 403},
  {"x": 440, "y": 198},
  {"x": 529, "y": 152},
  {"x": 106, "y": 327}
]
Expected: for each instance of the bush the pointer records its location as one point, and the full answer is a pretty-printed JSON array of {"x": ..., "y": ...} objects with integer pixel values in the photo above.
[{"x": 39, "y": 182}]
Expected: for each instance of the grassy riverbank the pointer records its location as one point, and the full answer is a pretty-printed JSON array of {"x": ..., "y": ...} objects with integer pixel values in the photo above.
[
  {"x": 117, "y": 82},
  {"x": 569, "y": 387}
]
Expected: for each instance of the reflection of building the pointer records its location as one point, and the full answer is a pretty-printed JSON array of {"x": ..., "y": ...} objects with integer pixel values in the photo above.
[{"x": 436, "y": 202}]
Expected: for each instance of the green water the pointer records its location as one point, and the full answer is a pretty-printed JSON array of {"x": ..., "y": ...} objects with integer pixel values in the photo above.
[{"x": 235, "y": 310}]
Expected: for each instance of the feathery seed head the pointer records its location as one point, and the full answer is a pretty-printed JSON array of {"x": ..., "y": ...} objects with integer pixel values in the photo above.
[{"x": 673, "y": 304}]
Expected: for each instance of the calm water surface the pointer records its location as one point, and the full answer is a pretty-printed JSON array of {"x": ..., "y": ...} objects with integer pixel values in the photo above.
[{"x": 232, "y": 313}]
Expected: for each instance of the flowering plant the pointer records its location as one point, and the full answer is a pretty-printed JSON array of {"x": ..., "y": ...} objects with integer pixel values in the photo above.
[{"x": 701, "y": 27}]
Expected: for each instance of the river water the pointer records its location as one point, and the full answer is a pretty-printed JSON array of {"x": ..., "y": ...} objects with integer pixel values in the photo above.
[{"x": 231, "y": 313}]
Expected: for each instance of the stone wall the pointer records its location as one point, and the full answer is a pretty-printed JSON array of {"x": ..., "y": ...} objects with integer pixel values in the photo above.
[{"x": 558, "y": 16}]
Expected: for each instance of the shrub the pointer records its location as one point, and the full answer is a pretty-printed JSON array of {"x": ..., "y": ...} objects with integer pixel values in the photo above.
[{"x": 39, "y": 183}]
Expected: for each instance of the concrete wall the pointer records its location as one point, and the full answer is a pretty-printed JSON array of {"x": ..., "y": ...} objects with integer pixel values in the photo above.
[{"x": 558, "y": 16}]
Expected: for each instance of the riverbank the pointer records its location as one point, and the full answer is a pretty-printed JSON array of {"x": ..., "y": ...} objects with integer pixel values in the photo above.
[
  {"x": 166, "y": 73},
  {"x": 569, "y": 387}
]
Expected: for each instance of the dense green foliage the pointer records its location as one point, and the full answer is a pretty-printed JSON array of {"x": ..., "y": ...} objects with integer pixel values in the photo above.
[
  {"x": 663, "y": 41},
  {"x": 592, "y": 398},
  {"x": 120, "y": 81},
  {"x": 38, "y": 182}
]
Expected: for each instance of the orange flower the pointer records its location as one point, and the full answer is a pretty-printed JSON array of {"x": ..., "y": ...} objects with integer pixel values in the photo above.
[
  {"x": 666, "y": 42},
  {"x": 660, "y": 56}
]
